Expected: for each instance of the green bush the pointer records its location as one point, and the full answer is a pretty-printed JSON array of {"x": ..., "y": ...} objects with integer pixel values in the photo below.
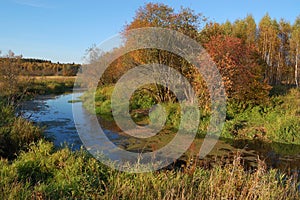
[
  {"x": 277, "y": 120},
  {"x": 32, "y": 171},
  {"x": 141, "y": 100}
]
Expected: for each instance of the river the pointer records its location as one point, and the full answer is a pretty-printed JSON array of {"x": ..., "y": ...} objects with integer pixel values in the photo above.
[{"x": 54, "y": 114}]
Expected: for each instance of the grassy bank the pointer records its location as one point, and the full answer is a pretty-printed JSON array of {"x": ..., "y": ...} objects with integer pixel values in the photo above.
[
  {"x": 277, "y": 120},
  {"x": 46, "y": 173},
  {"x": 17, "y": 133},
  {"x": 51, "y": 84}
]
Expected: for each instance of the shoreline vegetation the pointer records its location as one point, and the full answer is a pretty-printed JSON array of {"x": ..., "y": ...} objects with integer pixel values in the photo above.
[
  {"x": 37, "y": 170},
  {"x": 43, "y": 85},
  {"x": 276, "y": 121},
  {"x": 45, "y": 173},
  {"x": 265, "y": 107}
]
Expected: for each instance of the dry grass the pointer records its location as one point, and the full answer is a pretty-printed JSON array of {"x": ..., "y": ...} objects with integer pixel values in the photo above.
[{"x": 50, "y": 78}]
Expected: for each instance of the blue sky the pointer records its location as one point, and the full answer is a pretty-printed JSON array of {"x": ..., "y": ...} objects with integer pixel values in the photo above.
[{"x": 61, "y": 30}]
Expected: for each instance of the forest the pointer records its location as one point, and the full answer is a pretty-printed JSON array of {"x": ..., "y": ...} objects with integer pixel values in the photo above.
[
  {"x": 268, "y": 51},
  {"x": 37, "y": 67}
]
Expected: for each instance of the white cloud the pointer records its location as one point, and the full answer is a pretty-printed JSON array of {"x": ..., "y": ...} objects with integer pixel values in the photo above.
[{"x": 32, "y": 3}]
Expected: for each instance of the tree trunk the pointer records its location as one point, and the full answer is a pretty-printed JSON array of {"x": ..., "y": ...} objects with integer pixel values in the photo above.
[{"x": 296, "y": 66}]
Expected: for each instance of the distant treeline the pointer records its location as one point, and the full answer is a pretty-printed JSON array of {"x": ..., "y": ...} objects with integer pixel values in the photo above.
[{"x": 38, "y": 67}]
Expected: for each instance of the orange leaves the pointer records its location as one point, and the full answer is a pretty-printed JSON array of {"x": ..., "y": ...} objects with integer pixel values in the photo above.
[{"x": 237, "y": 65}]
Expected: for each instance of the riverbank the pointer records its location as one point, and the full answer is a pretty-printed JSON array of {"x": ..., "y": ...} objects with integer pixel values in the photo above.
[
  {"x": 44, "y": 85},
  {"x": 269, "y": 131},
  {"x": 42, "y": 171},
  {"x": 277, "y": 120},
  {"x": 56, "y": 114},
  {"x": 45, "y": 173},
  {"x": 16, "y": 132}
]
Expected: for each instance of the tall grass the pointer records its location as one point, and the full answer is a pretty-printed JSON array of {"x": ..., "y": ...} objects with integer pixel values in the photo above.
[
  {"x": 46, "y": 173},
  {"x": 50, "y": 86},
  {"x": 16, "y": 133},
  {"x": 278, "y": 121}
]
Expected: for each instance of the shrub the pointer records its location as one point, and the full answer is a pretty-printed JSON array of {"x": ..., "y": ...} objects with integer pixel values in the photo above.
[{"x": 140, "y": 100}]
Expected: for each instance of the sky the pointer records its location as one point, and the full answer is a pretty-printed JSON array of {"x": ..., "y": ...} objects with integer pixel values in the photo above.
[{"x": 62, "y": 30}]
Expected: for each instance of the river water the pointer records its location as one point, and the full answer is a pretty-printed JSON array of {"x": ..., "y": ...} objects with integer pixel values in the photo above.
[{"x": 54, "y": 114}]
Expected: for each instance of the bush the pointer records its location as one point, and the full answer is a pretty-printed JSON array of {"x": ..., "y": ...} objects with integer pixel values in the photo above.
[
  {"x": 140, "y": 103},
  {"x": 101, "y": 98},
  {"x": 140, "y": 100},
  {"x": 32, "y": 171}
]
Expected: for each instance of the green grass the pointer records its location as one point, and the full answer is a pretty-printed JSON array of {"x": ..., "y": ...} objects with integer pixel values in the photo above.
[
  {"x": 45, "y": 86},
  {"x": 100, "y": 104},
  {"x": 101, "y": 99},
  {"x": 46, "y": 173},
  {"x": 278, "y": 121}
]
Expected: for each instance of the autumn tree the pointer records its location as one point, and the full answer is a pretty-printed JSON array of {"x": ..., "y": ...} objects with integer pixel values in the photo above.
[
  {"x": 212, "y": 30},
  {"x": 269, "y": 45},
  {"x": 283, "y": 61},
  {"x": 227, "y": 28},
  {"x": 12, "y": 88},
  {"x": 240, "y": 72},
  {"x": 159, "y": 15},
  {"x": 245, "y": 29},
  {"x": 249, "y": 56}
]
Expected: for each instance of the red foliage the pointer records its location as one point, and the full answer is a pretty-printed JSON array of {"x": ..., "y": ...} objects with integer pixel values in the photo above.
[{"x": 238, "y": 67}]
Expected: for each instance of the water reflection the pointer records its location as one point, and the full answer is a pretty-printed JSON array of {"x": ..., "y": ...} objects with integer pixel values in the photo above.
[{"x": 54, "y": 114}]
